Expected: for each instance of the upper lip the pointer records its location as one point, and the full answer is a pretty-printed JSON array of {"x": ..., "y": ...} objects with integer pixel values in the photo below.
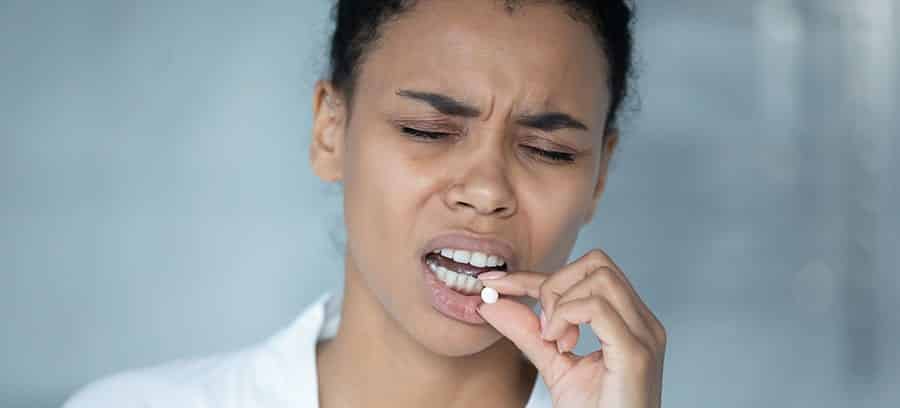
[{"x": 470, "y": 242}]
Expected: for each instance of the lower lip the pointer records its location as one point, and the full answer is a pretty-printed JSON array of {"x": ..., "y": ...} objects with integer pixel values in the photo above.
[{"x": 449, "y": 302}]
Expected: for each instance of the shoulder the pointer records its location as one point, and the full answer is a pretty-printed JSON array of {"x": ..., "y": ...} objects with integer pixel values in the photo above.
[
  {"x": 261, "y": 376},
  {"x": 268, "y": 374},
  {"x": 184, "y": 383}
]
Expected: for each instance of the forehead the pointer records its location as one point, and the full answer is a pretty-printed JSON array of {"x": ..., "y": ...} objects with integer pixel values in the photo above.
[{"x": 535, "y": 57}]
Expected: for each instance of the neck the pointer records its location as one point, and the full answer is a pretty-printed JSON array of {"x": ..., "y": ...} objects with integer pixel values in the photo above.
[{"x": 373, "y": 361}]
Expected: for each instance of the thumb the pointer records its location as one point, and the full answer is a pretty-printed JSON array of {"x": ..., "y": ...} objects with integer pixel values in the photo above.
[{"x": 519, "y": 324}]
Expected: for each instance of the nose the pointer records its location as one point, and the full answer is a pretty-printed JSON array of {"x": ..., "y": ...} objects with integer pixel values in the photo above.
[{"x": 482, "y": 186}]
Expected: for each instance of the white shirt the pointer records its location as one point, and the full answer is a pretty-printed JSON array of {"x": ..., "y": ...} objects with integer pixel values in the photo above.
[{"x": 279, "y": 372}]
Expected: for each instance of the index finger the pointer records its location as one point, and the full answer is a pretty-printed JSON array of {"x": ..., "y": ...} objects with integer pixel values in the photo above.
[
  {"x": 527, "y": 283},
  {"x": 521, "y": 283}
]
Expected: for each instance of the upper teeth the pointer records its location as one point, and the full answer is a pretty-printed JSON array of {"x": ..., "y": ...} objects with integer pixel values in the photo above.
[{"x": 474, "y": 258}]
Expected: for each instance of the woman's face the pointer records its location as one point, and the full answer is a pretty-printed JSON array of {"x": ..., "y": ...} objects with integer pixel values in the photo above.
[{"x": 471, "y": 127}]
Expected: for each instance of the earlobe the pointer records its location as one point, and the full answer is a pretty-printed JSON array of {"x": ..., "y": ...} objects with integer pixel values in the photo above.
[{"x": 326, "y": 149}]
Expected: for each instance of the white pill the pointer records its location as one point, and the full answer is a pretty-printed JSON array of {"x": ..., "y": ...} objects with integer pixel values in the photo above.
[{"x": 489, "y": 295}]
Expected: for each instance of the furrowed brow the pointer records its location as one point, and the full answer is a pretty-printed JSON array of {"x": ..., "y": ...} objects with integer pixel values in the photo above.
[{"x": 442, "y": 103}]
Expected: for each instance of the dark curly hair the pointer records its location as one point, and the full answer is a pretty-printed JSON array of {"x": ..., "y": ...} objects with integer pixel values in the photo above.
[{"x": 357, "y": 25}]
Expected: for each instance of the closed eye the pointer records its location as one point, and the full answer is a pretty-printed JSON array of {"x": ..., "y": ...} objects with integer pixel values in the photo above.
[
  {"x": 424, "y": 134},
  {"x": 551, "y": 154}
]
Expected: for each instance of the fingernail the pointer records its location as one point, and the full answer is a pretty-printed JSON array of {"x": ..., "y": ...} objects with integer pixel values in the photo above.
[{"x": 491, "y": 275}]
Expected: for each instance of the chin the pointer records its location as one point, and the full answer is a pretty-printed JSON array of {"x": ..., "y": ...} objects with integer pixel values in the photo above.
[{"x": 452, "y": 338}]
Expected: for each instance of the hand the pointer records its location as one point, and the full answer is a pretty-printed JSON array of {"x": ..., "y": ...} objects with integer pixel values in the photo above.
[{"x": 627, "y": 370}]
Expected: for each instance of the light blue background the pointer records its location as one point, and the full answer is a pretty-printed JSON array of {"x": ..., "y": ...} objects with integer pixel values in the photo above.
[{"x": 156, "y": 202}]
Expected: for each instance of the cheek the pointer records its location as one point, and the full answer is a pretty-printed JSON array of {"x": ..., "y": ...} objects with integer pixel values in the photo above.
[
  {"x": 554, "y": 224},
  {"x": 381, "y": 161},
  {"x": 386, "y": 180},
  {"x": 382, "y": 194}
]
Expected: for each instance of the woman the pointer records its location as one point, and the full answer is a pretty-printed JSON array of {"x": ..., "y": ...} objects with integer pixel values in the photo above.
[{"x": 472, "y": 139}]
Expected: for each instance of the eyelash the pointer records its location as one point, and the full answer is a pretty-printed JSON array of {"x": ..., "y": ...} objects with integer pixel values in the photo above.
[
  {"x": 551, "y": 155},
  {"x": 422, "y": 134}
]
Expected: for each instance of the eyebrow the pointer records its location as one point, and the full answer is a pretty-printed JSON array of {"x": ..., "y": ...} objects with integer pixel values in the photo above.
[
  {"x": 550, "y": 121},
  {"x": 545, "y": 121},
  {"x": 442, "y": 103}
]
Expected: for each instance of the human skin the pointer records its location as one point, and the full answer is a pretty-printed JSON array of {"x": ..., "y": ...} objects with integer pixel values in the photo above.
[{"x": 485, "y": 178}]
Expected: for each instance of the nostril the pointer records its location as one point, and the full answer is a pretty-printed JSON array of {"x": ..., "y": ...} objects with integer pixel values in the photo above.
[
  {"x": 495, "y": 211},
  {"x": 492, "y": 199}
]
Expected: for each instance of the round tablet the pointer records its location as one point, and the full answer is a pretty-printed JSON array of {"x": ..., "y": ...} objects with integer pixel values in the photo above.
[{"x": 489, "y": 295}]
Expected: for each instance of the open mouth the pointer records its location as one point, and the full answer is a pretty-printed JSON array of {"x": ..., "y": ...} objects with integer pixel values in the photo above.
[{"x": 458, "y": 269}]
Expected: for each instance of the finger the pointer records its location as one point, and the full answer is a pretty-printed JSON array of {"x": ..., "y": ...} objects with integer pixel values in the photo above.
[
  {"x": 520, "y": 283},
  {"x": 548, "y": 288},
  {"x": 618, "y": 342},
  {"x": 600, "y": 258},
  {"x": 526, "y": 283},
  {"x": 568, "y": 340},
  {"x": 553, "y": 288},
  {"x": 604, "y": 282},
  {"x": 519, "y": 324}
]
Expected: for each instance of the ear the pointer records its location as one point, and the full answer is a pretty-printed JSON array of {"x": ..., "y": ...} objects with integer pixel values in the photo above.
[
  {"x": 326, "y": 151},
  {"x": 611, "y": 139}
]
